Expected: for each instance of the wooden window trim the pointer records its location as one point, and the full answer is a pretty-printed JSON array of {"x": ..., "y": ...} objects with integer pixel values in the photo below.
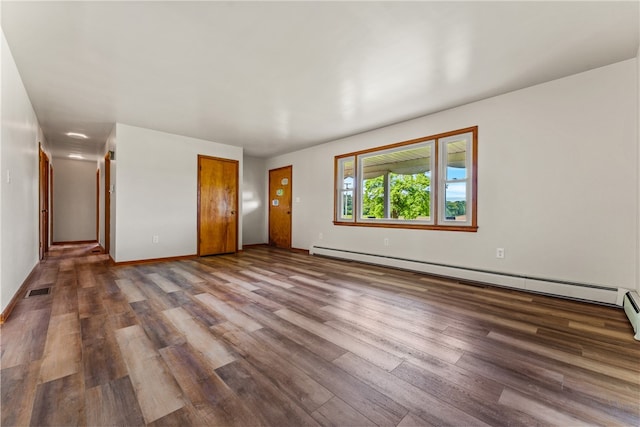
[{"x": 437, "y": 225}]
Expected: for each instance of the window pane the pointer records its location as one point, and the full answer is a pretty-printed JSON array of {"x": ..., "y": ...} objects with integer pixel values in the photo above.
[
  {"x": 373, "y": 197},
  {"x": 410, "y": 196},
  {"x": 347, "y": 173},
  {"x": 345, "y": 183},
  {"x": 346, "y": 206},
  {"x": 456, "y": 201},
  {"x": 457, "y": 160},
  {"x": 396, "y": 183}
]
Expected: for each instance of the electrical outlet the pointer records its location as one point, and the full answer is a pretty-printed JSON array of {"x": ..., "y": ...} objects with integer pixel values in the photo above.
[
  {"x": 499, "y": 252},
  {"x": 8, "y": 177},
  {"x": 386, "y": 241},
  {"x": 320, "y": 236},
  {"x": 155, "y": 239}
]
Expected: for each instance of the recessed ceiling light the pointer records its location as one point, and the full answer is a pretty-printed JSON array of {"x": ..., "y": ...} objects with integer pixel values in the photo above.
[
  {"x": 76, "y": 156},
  {"x": 77, "y": 135}
]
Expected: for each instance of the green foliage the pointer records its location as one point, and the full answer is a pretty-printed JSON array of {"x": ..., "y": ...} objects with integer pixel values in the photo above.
[
  {"x": 347, "y": 200},
  {"x": 410, "y": 196},
  {"x": 373, "y": 198},
  {"x": 457, "y": 208}
]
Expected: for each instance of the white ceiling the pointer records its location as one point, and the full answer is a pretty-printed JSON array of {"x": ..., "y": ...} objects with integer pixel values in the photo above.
[{"x": 278, "y": 76}]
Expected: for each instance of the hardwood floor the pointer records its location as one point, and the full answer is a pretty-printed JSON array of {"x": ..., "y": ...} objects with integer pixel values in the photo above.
[{"x": 274, "y": 338}]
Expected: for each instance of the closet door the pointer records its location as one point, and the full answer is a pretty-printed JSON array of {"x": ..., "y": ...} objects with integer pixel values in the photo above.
[{"x": 217, "y": 205}]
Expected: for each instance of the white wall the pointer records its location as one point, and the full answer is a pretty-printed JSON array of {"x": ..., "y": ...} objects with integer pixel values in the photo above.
[
  {"x": 254, "y": 194},
  {"x": 557, "y": 183},
  {"x": 638, "y": 169},
  {"x": 113, "y": 166},
  {"x": 3, "y": 61},
  {"x": 19, "y": 158},
  {"x": 156, "y": 190},
  {"x": 74, "y": 200}
]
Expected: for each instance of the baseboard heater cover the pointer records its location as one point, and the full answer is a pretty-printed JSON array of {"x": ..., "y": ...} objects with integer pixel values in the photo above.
[
  {"x": 631, "y": 306},
  {"x": 572, "y": 290}
]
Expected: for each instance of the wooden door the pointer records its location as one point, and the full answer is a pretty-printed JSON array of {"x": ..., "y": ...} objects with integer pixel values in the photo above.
[
  {"x": 107, "y": 203},
  {"x": 50, "y": 217},
  {"x": 44, "y": 203},
  {"x": 280, "y": 188},
  {"x": 217, "y": 205},
  {"x": 98, "y": 205}
]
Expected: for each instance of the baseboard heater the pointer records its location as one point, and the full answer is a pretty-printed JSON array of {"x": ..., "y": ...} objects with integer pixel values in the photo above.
[
  {"x": 631, "y": 306},
  {"x": 566, "y": 289}
]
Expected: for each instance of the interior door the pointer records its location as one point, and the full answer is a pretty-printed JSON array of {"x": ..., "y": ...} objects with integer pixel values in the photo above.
[
  {"x": 50, "y": 216},
  {"x": 98, "y": 205},
  {"x": 280, "y": 189},
  {"x": 107, "y": 203},
  {"x": 217, "y": 205},
  {"x": 44, "y": 203}
]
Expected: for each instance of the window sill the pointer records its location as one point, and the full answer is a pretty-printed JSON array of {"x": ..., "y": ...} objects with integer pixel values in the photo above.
[{"x": 465, "y": 228}]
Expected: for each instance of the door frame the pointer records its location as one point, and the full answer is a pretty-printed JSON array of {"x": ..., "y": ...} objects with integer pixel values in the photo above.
[
  {"x": 289, "y": 246},
  {"x": 43, "y": 202},
  {"x": 98, "y": 205},
  {"x": 107, "y": 203},
  {"x": 237, "y": 214},
  {"x": 50, "y": 231}
]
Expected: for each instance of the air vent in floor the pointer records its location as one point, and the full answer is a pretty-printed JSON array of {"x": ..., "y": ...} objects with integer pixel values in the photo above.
[{"x": 35, "y": 292}]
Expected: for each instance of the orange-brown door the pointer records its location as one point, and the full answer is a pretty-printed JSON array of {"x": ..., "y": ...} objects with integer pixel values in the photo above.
[
  {"x": 280, "y": 186},
  {"x": 98, "y": 205},
  {"x": 217, "y": 205},
  {"x": 50, "y": 217},
  {"x": 107, "y": 203},
  {"x": 44, "y": 203}
]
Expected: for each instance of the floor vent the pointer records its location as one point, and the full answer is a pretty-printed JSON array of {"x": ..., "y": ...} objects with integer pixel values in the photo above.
[
  {"x": 631, "y": 306},
  {"x": 41, "y": 291}
]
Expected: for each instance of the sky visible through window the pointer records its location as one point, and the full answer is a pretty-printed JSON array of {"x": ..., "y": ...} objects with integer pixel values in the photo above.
[
  {"x": 348, "y": 183},
  {"x": 456, "y": 192}
]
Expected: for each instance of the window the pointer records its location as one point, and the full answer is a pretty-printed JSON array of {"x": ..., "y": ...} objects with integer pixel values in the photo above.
[
  {"x": 396, "y": 183},
  {"x": 423, "y": 183},
  {"x": 346, "y": 185}
]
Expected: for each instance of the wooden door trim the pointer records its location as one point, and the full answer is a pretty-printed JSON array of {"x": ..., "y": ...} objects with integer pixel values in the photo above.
[
  {"x": 47, "y": 241},
  {"x": 237, "y": 163},
  {"x": 290, "y": 205},
  {"x": 40, "y": 202},
  {"x": 97, "y": 205},
  {"x": 50, "y": 231},
  {"x": 107, "y": 203},
  {"x": 43, "y": 202}
]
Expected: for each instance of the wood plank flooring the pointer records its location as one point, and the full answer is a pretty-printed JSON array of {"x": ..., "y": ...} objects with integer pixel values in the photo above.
[{"x": 272, "y": 338}]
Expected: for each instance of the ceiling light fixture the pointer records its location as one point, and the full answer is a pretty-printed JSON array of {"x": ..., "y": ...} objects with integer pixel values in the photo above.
[
  {"x": 77, "y": 135},
  {"x": 75, "y": 156}
]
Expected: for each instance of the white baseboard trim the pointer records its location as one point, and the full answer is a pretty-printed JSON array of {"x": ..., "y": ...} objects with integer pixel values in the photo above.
[{"x": 573, "y": 290}]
